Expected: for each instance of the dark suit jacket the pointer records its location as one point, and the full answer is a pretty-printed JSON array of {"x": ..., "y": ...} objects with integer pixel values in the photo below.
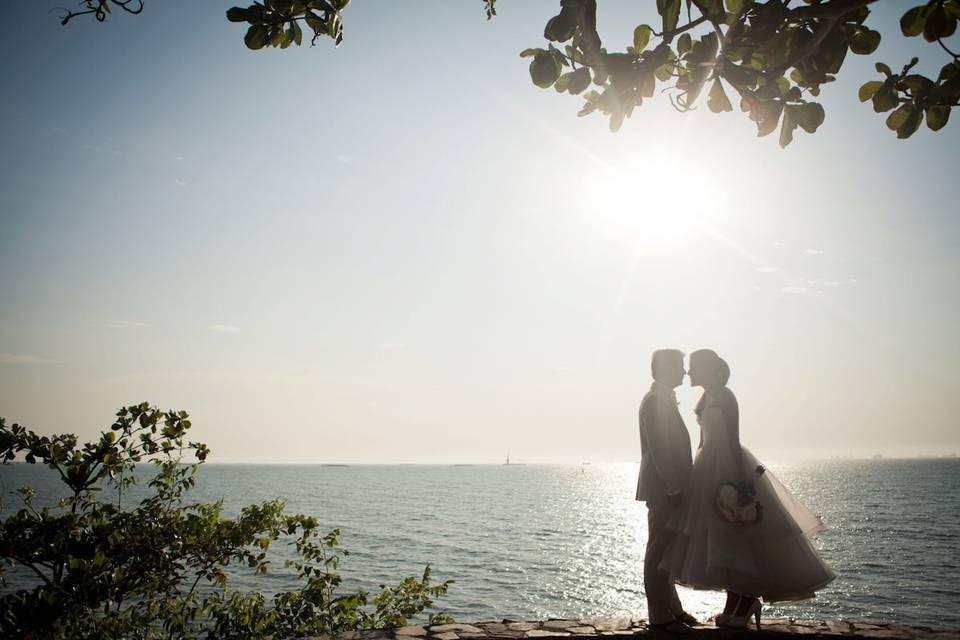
[{"x": 665, "y": 446}]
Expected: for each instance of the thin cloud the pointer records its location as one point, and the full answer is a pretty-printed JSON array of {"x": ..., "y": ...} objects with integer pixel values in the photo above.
[
  {"x": 839, "y": 283},
  {"x": 19, "y": 358},
  {"x": 813, "y": 252},
  {"x": 795, "y": 290},
  {"x": 766, "y": 269},
  {"x": 224, "y": 328},
  {"x": 181, "y": 183},
  {"x": 126, "y": 324},
  {"x": 392, "y": 345}
]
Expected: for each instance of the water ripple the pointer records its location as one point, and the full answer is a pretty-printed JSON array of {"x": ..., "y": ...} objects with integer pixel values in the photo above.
[{"x": 566, "y": 541}]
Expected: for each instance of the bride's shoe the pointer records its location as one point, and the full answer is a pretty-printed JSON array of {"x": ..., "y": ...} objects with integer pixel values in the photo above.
[
  {"x": 723, "y": 619},
  {"x": 740, "y": 622}
]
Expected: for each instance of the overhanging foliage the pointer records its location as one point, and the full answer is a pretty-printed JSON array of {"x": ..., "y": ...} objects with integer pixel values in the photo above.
[{"x": 773, "y": 55}]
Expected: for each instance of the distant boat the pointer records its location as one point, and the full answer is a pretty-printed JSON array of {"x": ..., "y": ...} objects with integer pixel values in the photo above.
[
  {"x": 463, "y": 464},
  {"x": 878, "y": 456},
  {"x": 328, "y": 464}
]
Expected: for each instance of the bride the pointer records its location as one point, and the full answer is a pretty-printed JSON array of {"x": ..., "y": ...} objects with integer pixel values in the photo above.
[{"x": 755, "y": 545}]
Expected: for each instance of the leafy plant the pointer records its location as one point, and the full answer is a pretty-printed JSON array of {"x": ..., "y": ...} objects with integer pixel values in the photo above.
[
  {"x": 774, "y": 56},
  {"x": 157, "y": 568}
]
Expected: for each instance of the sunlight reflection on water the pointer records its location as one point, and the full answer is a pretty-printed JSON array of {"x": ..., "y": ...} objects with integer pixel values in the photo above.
[{"x": 533, "y": 542}]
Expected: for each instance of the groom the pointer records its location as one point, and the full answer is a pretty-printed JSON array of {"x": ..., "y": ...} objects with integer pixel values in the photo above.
[{"x": 664, "y": 470}]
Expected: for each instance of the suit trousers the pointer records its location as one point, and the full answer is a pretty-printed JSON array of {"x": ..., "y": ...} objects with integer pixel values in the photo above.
[{"x": 662, "y": 600}]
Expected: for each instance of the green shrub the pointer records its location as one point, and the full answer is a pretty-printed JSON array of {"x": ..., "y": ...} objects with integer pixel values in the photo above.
[{"x": 157, "y": 568}]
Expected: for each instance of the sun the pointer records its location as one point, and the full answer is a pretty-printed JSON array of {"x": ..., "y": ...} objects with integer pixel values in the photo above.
[{"x": 657, "y": 204}]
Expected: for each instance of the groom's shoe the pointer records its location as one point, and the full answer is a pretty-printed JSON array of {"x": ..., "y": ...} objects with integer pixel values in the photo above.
[
  {"x": 674, "y": 627},
  {"x": 687, "y": 619}
]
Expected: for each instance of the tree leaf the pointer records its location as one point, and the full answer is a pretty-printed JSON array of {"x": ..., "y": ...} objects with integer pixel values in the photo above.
[
  {"x": 740, "y": 77},
  {"x": 868, "y": 89},
  {"x": 669, "y": 10},
  {"x": 938, "y": 25},
  {"x": 937, "y": 117},
  {"x": 684, "y": 43},
  {"x": 949, "y": 71},
  {"x": 641, "y": 36},
  {"x": 786, "y": 129},
  {"x": 588, "y": 108},
  {"x": 885, "y": 98},
  {"x": 237, "y": 14},
  {"x": 544, "y": 69},
  {"x": 558, "y": 56},
  {"x": 316, "y": 23},
  {"x": 865, "y": 42},
  {"x": 616, "y": 120},
  {"x": 256, "y": 36},
  {"x": 911, "y": 23},
  {"x": 717, "y": 101},
  {"x": 574, "y": 82},
  {"x": 897, "y": 119},
  {"x": 915, "y": 82},
  {"x": 646, "y": 85},
  {"x": 809, "y": 116},
  {"x": 276, "y": 35},
  {"x": 912, "y": 123},
  {"x": 562, "y": 26}
]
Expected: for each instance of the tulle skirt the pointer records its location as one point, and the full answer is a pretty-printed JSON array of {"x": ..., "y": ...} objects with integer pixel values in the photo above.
[{"x": 772, "y": 559}]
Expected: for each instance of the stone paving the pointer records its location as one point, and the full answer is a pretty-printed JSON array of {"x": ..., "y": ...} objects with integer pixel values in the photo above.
[{"x": 623, "y": 628}]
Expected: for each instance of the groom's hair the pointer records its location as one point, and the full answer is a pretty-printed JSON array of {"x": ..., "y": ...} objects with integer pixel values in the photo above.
[{"x": 663, "y": 356}]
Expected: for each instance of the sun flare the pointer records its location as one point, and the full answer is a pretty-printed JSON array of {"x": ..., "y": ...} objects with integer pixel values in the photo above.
[{"x": 657, "y": 205}]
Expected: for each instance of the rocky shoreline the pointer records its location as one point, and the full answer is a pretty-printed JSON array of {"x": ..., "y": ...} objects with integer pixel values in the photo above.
[{"x": 611, "y": 629}]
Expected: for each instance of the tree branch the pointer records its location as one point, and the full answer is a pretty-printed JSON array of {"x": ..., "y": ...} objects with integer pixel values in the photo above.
[
  {"x": 955, "y": 55},
  {"x": 668, "y": 36},
  {"x": 827, "y": 26},
  {"x": 100, "y": 13},
  {"x": 39, "y": 573}
]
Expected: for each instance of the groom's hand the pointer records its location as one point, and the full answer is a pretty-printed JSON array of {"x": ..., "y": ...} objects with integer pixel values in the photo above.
[{"x": 676, "y": 499}]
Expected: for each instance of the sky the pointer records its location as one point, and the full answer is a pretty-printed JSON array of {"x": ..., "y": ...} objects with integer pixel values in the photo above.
[{"x": 401, "y": 250}]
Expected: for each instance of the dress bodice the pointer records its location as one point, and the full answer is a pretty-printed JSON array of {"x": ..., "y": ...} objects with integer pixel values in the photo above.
[{"x": 714, "y": 427}]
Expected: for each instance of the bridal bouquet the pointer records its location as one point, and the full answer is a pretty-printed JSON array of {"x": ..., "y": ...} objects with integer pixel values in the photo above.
[{"x": 738, "y": 505}]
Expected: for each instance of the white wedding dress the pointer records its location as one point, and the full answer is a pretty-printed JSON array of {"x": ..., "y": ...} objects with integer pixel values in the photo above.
[{"x": 772, "y": 559}]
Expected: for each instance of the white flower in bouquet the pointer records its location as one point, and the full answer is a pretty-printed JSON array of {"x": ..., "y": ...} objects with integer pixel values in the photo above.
[{"x": 739, "y": 505}]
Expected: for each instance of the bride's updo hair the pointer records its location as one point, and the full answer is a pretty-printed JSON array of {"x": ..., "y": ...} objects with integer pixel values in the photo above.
[
  {"x": 719, "y": 368},
  {"x": 723, "y": 371},
  {"x": 713, "y": 363}
]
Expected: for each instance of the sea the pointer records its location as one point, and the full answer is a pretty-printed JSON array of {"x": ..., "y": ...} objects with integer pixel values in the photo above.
[{"x": 529, "y": 542}]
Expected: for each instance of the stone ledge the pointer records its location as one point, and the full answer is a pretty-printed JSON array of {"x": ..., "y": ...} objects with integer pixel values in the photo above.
[{"x": 623, "y": 628}]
